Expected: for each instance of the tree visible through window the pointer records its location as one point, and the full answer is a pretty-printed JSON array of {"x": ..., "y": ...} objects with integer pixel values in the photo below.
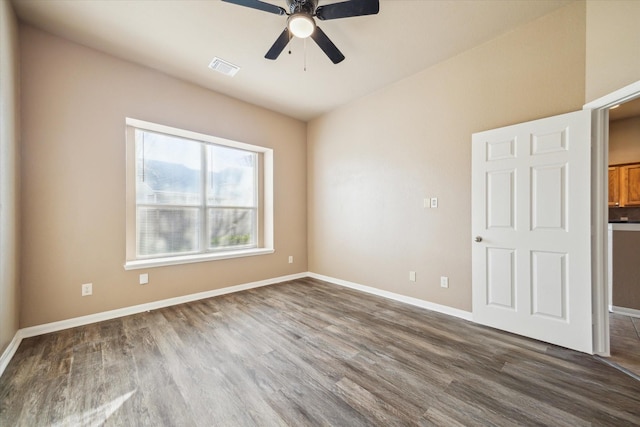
[{"x": 192, "y": 196}]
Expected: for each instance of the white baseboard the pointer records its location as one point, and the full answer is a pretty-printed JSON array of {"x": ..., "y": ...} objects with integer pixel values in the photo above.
[
  {"x": 46, "y": 328},
  {"x": 626, "y": 311},
  {"x": 121, "y": 312},
  {"x": 8, "y": 352},
  {"x": 462, "y": 314}
]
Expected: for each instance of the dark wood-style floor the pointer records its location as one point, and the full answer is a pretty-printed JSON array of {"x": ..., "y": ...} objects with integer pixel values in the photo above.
[
  {"x": 306, "y": 353},
  {"x": 625, "y": 342}
]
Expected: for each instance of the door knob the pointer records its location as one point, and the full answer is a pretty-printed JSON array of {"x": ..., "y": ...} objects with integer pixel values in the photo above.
[{"x": 478, "y": 239}]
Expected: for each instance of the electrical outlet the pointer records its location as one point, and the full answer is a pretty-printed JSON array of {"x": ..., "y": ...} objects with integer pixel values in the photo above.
[
  {"x": 144, "y": 279},
  {"x": 290, "y": 259},
  {"x": 444, "y": 282},
  {"x": 412, "y": 276},
  {"x": 87, "y": 289}
]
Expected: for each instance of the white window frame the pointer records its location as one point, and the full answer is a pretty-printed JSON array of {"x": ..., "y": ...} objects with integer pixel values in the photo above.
[{"x": 265, "y": 199}]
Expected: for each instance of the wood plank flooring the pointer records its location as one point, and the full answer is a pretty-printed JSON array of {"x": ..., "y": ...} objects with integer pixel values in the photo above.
[
  {"x": 306, "y": 353},
  {"x": 625, "y": 342}
]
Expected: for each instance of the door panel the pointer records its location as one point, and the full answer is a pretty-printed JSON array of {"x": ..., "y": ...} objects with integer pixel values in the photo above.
[
  {"x": 548, "y": 197},
  {"x": 549, "y": 284},
  {"x": 500, "y": 186},
  {"x": 501, "y": 269},
  {"x": 530, "y": 206}
]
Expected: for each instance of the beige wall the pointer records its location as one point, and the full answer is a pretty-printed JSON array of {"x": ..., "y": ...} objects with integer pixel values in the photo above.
[
  {"x": 370, "y": 163},
  {"x": 74, "y": 104},
  {"x": 624, "y": 141},
  {"x": 373, "y": 161},
  {"x": 9, "y": 175},
  {"x": 613, "y": 46}
]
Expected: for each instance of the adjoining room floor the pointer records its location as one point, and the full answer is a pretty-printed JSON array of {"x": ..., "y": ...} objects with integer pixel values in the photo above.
[
  {"x": 625, "y": 342},
  {"x": 301, "y": 353}
]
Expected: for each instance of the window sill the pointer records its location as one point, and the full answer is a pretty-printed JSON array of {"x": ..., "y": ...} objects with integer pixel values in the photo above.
[{"x": 188, "y": 259}]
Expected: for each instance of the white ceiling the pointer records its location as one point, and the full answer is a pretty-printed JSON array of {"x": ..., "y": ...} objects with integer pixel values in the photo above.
[
  {"x": 626, "y": 110},
  {"x": 181, "y": 37}
]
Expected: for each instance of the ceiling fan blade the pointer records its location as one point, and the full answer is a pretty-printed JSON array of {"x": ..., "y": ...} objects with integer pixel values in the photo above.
[
  {"x": 260, "y": 5},
  {"x": 348, "y": 9},
  {"x": 279, "y": 45},
  {"x": 327, "y": 46}
]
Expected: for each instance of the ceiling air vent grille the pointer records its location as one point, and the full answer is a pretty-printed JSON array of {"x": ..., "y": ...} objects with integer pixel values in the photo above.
[{"x": 224, "y": 67}]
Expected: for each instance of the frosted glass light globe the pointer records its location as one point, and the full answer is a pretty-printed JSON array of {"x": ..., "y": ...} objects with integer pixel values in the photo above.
[{"x": 301, "y": 25}]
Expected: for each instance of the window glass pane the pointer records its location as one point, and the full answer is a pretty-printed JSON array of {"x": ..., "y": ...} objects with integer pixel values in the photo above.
[
  {"x": 231, "y": 179},
  {"x": 168, "y": 169},
  {"x": 193, "y": 193},
  {"x": 168, "y": 231},
  {"x": 230, "y": 227}
]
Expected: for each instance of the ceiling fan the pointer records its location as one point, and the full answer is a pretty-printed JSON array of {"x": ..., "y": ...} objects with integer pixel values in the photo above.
[{"x": 300, "y": 22}]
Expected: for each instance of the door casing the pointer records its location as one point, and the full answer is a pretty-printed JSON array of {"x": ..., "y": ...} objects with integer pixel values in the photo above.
[{"x": 600, "y": 211}]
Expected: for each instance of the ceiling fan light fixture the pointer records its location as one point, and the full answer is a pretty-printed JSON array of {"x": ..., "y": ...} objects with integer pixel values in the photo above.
[{"x": 301, "y": 25}]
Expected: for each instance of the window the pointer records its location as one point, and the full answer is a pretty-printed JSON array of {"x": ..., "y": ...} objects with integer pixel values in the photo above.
[{"x": 193, "y": 197}]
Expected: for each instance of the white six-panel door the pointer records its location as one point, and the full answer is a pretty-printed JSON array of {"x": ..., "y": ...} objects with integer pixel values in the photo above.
[{"x": 531, "y": 229}]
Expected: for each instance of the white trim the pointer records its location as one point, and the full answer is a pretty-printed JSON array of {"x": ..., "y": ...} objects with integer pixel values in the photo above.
[
  {"x": 621, "y": 226},
  {"x": 196, "y": 136},
  {"x": 10, "y": 351},
  {"x": 599, "y": 210},
  {"x": 188, "y": 259},
  {"x": 46, "y": 328},
  {"x": 462, "y": 314},
  {"x": 121, "y": 312},
  {"x": 600, "y": 231},
  {"x": 619, "y": 96},
  {"x": 131, "y": 262},
  {"x": 626, "y": 311}
]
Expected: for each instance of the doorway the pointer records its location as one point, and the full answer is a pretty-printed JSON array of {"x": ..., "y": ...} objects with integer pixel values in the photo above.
[
  {"x": 600, "y": 211},
  {"x": 624, "y": 235}
]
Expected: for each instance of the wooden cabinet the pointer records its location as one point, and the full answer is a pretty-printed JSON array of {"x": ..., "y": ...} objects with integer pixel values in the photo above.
[
  {"x": 630, "y": 185},
  {"x": 624, "y": 185},
  {"x": 614, "y": 186}
]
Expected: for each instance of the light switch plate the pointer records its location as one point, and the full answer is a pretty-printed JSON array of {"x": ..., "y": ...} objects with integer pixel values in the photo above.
[
  {"x": 144, "y": 278},
  {"x": 434, "y": 202},
  {"x": 444, "y": 282},
  {"x": 87, "y": 289}
]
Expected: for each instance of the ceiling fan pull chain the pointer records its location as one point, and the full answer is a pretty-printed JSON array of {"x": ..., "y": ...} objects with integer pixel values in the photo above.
[{"x": 305, "y": 55}]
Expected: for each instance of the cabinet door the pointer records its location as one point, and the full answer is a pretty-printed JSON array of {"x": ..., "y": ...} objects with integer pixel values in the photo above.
[
  {"x": 631, "y": 185},
  {"x": 614, "y": 186}
]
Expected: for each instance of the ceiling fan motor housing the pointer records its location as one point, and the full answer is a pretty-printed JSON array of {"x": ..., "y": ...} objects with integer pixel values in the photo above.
[{"x": 302, "y": 6}]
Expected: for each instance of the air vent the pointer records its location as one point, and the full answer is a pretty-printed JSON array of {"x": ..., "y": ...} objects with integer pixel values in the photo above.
[{"x": 224, "y": 67}]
